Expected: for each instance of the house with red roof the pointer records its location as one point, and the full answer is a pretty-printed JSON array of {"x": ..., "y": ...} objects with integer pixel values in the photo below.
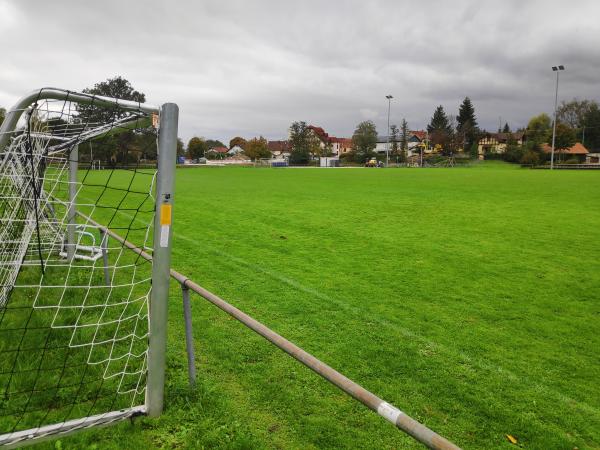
[
  {"x": 338, "y": 145},
  {"x": 577, "y": 150},
  {"x": 217, "y": 152},
  {"x": 279, "y": 149}
]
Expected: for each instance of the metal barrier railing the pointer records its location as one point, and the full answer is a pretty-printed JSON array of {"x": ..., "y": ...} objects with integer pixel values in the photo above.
[{"x": 400, "y": 419}]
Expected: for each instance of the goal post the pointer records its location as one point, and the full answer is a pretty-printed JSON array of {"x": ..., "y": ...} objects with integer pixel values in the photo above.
[
  {"x": 161, "y": 266},
  {"x": 83, "y": 319}
]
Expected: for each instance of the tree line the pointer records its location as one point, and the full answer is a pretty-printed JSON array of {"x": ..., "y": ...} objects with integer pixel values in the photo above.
[
  {"x": 255, "y": 148},
  {"x": 446, "y": 133},
  {"x": 577, "y": 120}
]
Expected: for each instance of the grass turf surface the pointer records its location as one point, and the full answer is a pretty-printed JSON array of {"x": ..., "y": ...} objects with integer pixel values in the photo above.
[{"x": 466, "y": 297}]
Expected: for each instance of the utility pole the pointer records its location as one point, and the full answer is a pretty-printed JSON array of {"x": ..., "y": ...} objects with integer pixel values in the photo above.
[
  {"x": 387, "y": 148},
  {"x": 556, "y": 69}
]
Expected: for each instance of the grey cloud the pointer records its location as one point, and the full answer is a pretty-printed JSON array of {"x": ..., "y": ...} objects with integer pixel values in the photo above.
[{"x": 249, "y": 68}]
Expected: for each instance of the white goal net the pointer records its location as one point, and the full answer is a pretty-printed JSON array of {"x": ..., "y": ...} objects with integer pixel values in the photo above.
[{"x": 78, "y": 185}]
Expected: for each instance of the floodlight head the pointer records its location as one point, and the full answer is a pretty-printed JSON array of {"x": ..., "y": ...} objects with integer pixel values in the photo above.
[
  {"x": 389, "y": 97},
  {"x": 561, "y": 67},
  {"x": 554, "y": 68}
]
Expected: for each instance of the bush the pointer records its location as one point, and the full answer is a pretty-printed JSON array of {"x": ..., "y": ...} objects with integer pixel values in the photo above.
[
  {"x": 572, "y": 161},
  {"x": 435, "y": 159},
  {"x": 530, "y": 159},
  {"x": 348, "y": 157},
  {"x": 513, "y": 153},
  {"x": 474, "y": 150}
]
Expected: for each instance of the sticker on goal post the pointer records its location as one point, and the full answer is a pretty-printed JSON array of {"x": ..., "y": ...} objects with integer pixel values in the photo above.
[{"x": 165, "y": 224}]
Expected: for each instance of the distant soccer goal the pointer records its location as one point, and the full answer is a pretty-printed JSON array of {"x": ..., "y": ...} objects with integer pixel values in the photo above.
[{"x": 82, "y": 317}]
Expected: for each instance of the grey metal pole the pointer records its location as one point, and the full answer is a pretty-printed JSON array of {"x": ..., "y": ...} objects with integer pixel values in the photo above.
[
  {"x": 554, "y": 125},
  {"x": 72, "y": 212},
  {"x": 387, "y": 148},
  {"x": 167, "y": 151},
  {"x": 189, "y": 334},
  {"x": 104, "y": 247},
  {"x": 397, "y": 417}
]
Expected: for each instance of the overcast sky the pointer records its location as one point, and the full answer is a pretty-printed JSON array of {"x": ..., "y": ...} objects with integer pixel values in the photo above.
[{"x": 252, "y": 67}]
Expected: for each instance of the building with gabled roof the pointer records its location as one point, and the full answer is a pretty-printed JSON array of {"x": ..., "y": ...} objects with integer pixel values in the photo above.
[{"x": 577, "y": 150}]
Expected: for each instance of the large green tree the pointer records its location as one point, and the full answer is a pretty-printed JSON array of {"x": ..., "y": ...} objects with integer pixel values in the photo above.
[
  {"x": 539, "y": 129},
  {"x": 126, "y": 147},
  {"x": 314, "y": 144},
  {"x": 117, "y": 87},
  {"x": 239, "y": 141},
  {"x": 591, "y": 130},
  {"x": 196, "y": 147},
  {"x": 439, "y": 121},
  {"x": 180, "y": 147},
  {"x": 573, "y": 112},
  {"x": 466, "y": 127},
  {"x": 257, "y": 148},
  {"x": 394, "y": 141},
  {"x": 565, "y": 137},
  {"x": 440, "y": 130},
  {"x": 404, "y": 132},
  {"x": 364, "y": 141},
  {"x": 212, "y": 143},
  {"x": 2, "y": 115},
  {"x": 300, "y": 142},
  {"x": 404, "y": 135}
]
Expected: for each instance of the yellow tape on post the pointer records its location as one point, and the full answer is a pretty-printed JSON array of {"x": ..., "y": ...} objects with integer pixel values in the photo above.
[
  {"x": 165, "y": 214},
  {"x": 165, "y": 224}
]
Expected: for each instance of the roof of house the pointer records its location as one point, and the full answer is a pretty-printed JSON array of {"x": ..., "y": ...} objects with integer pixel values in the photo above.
[
  {"x": 219, "y": 149},
  {"x": 503, "y": 137},
  {"x": 319, "y": 132},
  {"x": 421, "y": 134},
  {"x": 576, "y": 149},
  {"x": 343, "y": 141},
  {"x": 326, "y": 138},
  {"x": 278, "y": 146}
]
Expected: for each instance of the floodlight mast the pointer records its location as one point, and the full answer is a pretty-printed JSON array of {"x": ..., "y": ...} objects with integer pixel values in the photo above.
[
  {"x": 556, "y": 69},
  {"x": 387, "y": 149}
]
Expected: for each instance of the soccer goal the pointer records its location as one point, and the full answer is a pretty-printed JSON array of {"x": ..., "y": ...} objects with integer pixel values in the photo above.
[{"x": 82, "y": 316}]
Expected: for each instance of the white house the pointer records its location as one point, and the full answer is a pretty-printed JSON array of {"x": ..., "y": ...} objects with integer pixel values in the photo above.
[
  {"x": 236, "y": 149},
  {"x": 414, "y": 139}
]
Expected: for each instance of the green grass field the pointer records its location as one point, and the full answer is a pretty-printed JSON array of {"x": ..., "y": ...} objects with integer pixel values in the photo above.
[{"x": 468, "y": 298}]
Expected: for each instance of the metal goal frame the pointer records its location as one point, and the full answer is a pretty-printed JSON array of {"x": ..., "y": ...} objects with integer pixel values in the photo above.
[{"x": 167, "y": 114}]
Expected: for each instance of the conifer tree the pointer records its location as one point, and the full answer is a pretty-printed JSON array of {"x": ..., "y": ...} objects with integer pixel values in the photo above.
[
  {"x": 467, "y": 128},
  {"x": 404, "y": 135},
  {"x": 440, "y": 131},
  {"x": 439, "y": 122}
]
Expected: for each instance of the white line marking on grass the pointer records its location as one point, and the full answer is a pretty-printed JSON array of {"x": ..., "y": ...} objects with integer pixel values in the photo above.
[
  {"x": 481, "y": 364},
  {"x": 457, "y": 354}
]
